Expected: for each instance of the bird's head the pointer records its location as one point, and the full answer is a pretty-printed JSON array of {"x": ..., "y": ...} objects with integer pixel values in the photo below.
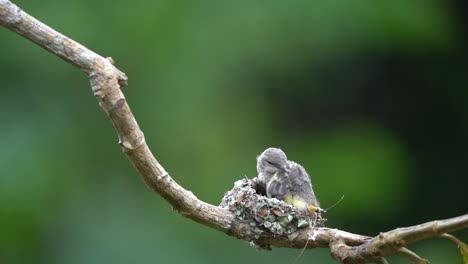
[{"x": 271, "y": 160}]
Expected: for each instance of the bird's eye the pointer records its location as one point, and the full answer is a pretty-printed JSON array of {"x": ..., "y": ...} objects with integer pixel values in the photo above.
[{"x": 269, "y": 162}]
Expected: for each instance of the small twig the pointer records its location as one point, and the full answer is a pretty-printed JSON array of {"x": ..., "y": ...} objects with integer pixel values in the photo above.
[
  {"x": 452, "y": 238},
  {"x": 404, "y": 252},
  {"x": 381, "y": 261},
  {"x": 462, "y": 246}
]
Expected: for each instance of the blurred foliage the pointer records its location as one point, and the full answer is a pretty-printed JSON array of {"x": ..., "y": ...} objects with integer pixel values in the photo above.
[{"x": 369, "y": 96}]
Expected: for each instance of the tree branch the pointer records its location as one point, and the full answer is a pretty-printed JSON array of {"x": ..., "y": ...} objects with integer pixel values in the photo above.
[
  {"x": 390, "y": 242},
  {"x": 106, "y": 81},
  {"x": 412, "y": 256}
]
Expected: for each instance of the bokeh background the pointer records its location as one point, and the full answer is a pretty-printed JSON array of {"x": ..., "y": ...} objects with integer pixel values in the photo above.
[{"x": 370, "y": 96}]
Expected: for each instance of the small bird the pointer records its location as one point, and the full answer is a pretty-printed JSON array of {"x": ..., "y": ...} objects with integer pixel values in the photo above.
[{"x": 286, "y": 180}]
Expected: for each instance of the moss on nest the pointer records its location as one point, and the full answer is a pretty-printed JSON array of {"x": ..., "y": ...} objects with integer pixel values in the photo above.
[{"x": 268, "y": 217}]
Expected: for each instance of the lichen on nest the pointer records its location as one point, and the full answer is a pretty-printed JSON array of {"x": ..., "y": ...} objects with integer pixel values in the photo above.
[{"x": 268, "y": 217}]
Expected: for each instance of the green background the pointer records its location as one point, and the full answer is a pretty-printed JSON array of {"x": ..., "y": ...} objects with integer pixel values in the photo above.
[{"x": 370, "y": 96}]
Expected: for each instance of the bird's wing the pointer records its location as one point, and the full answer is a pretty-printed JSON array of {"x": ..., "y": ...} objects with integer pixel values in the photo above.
[
  {"x": 300, "y": 180},
  {"x": 278, "y": 186}
]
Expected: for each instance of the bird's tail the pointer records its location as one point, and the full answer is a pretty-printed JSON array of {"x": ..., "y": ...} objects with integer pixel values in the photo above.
[{"x": 315, "y": 209}]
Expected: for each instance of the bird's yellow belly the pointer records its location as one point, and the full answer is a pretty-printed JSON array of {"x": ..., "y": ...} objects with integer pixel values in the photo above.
[{"x": 295, "y": 202}]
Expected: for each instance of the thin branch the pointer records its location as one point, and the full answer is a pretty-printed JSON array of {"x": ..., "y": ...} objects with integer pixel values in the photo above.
[
  {"x": 412, "y": 256},
  {"x": 452, "y": 238},
  {"x": 392, "y": 241},
  {"x": 106, "y": 81},
  {"x": 382, "y": 261},
  {"x": 462, "y": 246}
]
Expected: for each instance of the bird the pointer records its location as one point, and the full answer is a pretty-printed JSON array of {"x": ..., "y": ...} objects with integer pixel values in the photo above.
[{"x": 286, "y": 180}]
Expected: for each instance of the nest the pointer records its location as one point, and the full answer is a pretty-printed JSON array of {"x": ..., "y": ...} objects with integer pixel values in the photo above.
[{"x": 267, "y": 217}]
